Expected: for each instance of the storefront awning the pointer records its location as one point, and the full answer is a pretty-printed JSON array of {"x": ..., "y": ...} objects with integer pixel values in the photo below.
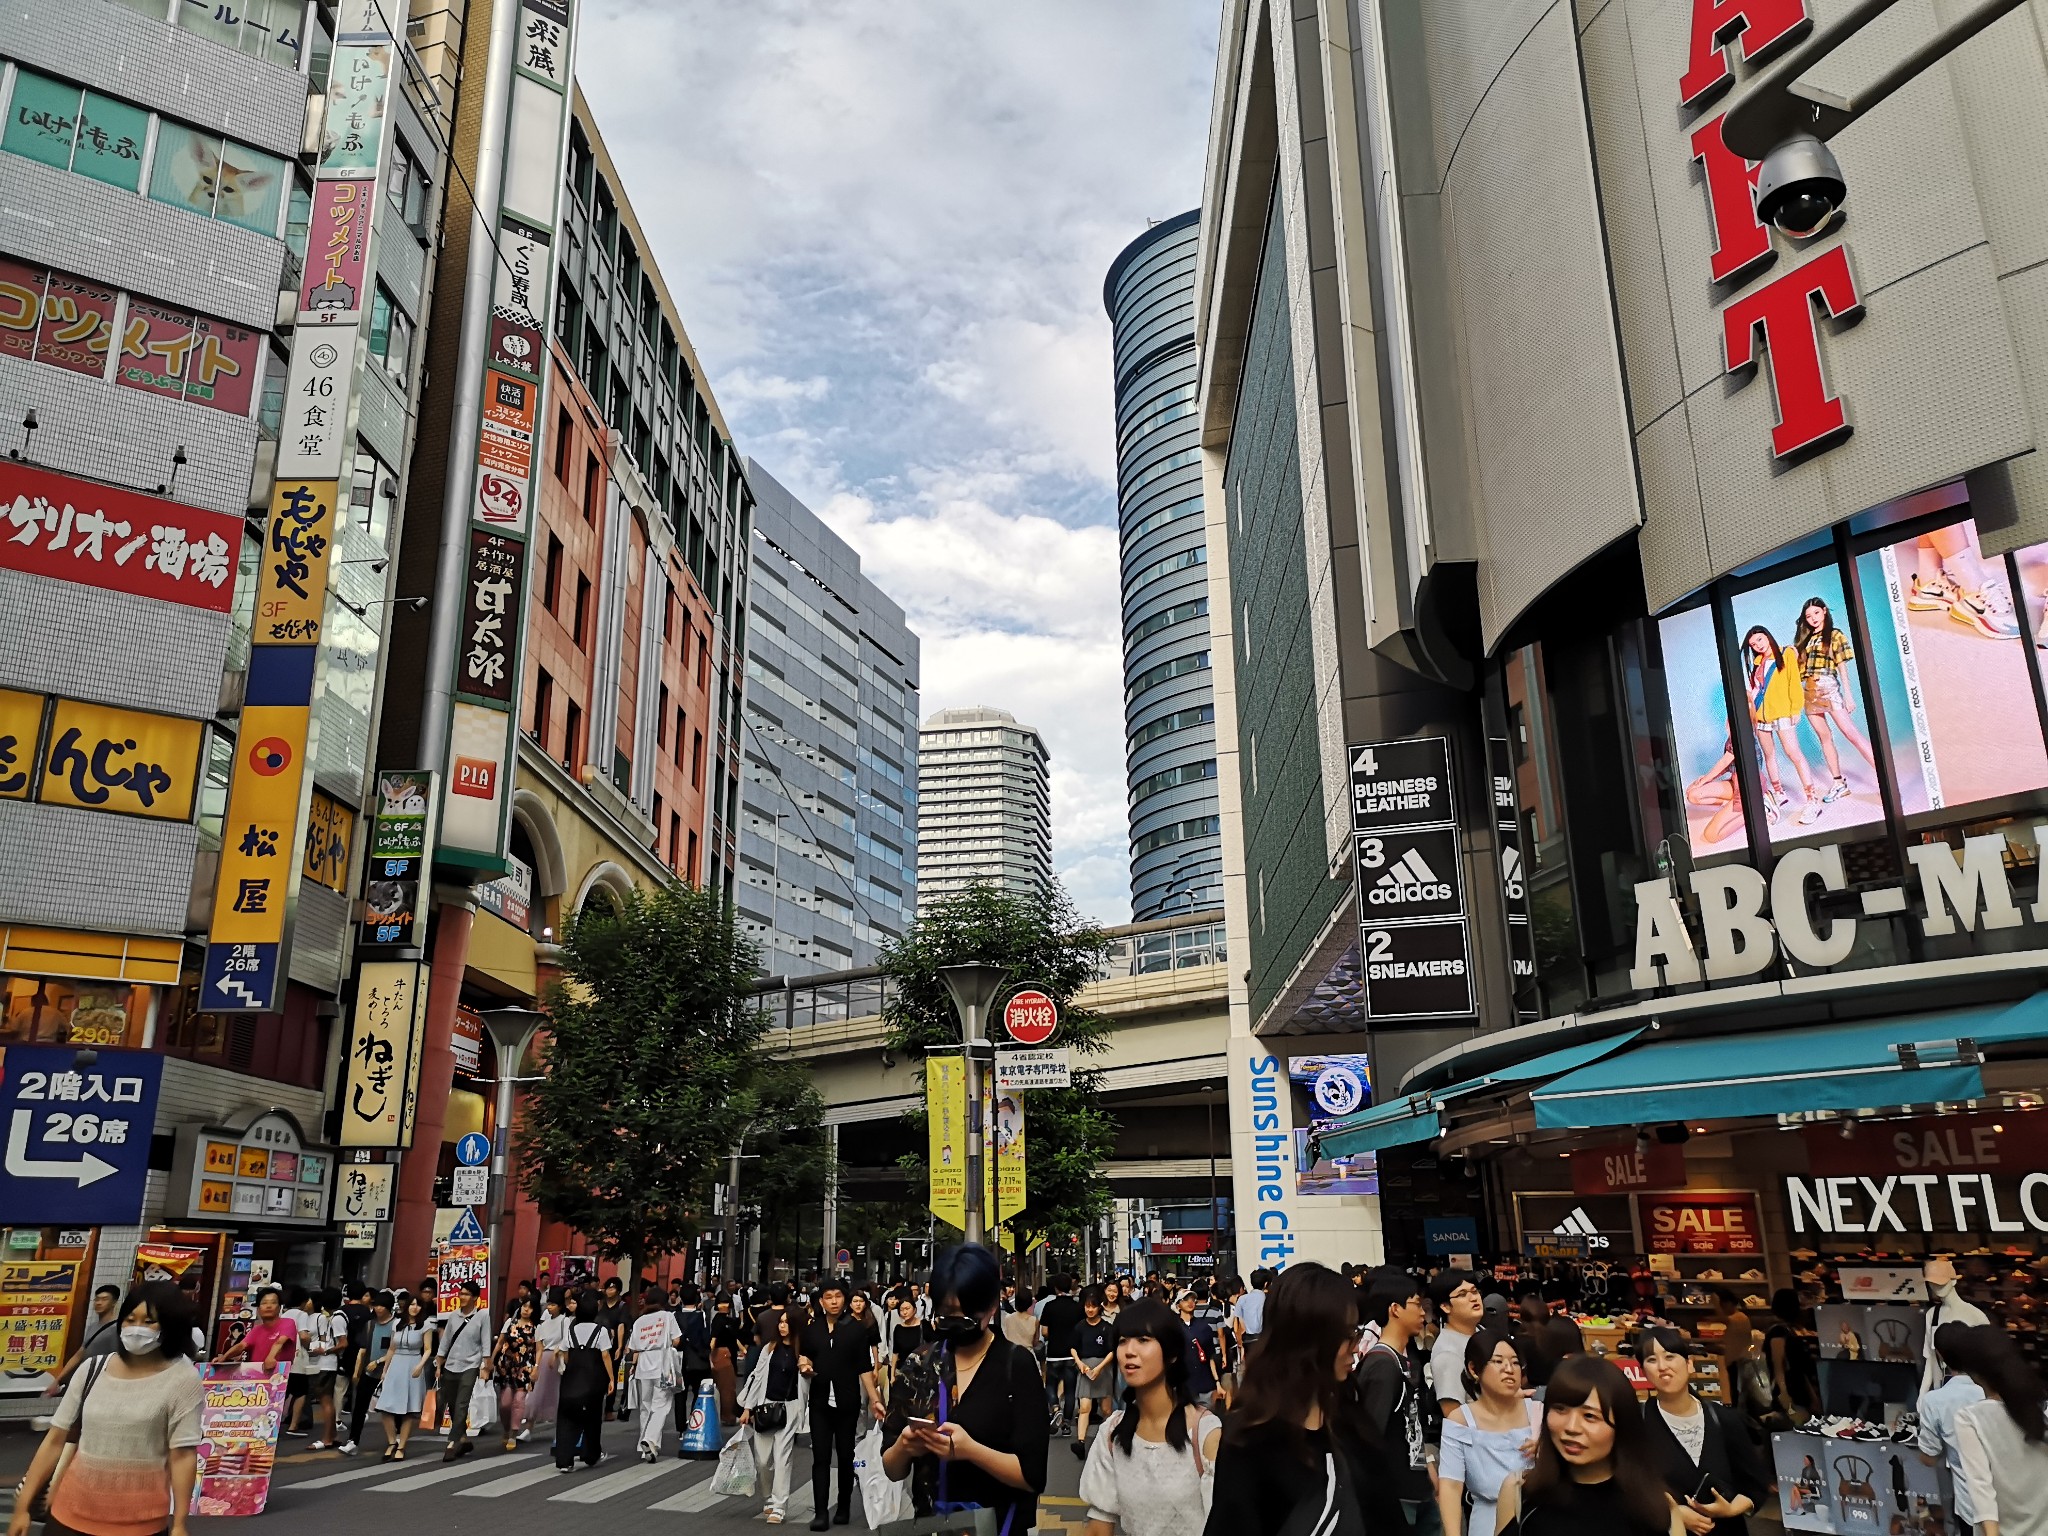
[
  {"x": 1919, "y": 1059},
  {"x": 1419, "y": 1116}
]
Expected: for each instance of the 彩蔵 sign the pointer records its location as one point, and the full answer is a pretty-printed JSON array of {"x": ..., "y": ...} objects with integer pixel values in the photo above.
[{"x": 77, "y": 1138}]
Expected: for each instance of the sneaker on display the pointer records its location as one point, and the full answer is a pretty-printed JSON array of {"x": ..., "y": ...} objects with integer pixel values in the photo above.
[
  {"x": 1712, "y": 1274},
  {"x": 1988, "y": 611},
  {"x": 1929, "y": 596},
  {"x": 1809, "y": 813},
  {"x": 1839, "y": 791}
]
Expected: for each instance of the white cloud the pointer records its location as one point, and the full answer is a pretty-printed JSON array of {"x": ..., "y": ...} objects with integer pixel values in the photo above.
[{"x": 887, "y": 230}]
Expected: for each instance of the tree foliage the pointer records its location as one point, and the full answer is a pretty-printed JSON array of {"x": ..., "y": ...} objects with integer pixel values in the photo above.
[
  {"x": 1041, "y": 941},
  {"x": 652, "y": 1068}
]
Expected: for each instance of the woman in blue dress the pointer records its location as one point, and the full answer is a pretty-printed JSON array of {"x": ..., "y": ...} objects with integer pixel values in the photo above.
[
  {"x": 403, "y": 1391},
  {"x": 1487, "y": 1440}
]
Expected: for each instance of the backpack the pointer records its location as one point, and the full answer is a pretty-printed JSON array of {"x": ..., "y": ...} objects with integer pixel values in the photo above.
[
  {"x": 696, "y": 1341},
  {"x": 583, "y": 1373}
]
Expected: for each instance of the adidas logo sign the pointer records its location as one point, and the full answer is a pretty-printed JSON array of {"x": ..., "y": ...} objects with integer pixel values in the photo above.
[
  {"x": 1578, "y": 1224},
  {"x": 1409, "y": 879}
]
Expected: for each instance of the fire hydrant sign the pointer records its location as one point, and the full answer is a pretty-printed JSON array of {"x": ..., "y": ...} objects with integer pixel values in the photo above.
[
  {"x": 77, "y": 1137},
  {"x": 1034, "y": 1069},
  {"x": 1031, "y": 1017}
]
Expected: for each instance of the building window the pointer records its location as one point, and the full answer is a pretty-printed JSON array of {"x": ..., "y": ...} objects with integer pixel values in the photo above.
[
  {"x": 679, "y": 736},
  {"x": 658, "y": 809},
  {"x": 582, "y": 610},
  {"x": 551, "y": 576},
  {"x": 405, "y": 188},
  {"x": 668, "y": 616},
  {"x": 543, "y": 706},
  {"x": 696, "y": 759},
  {"x": 675, "y": 838},
  {"x": 390, "y": 337},
  {"x": 565, "y": 435},
  {"x": 264, "y": 29},
  {"x": 690, "y": 864},
  {"x": 661, "y": 718},
  {"x": 572, "y": 737},
  {"x": 591, "y": 488}
]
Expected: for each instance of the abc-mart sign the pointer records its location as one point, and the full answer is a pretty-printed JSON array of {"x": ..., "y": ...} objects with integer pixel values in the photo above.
[
  {"x": 1778, "y": 320},
  {"x": 1744, "y": 920}
]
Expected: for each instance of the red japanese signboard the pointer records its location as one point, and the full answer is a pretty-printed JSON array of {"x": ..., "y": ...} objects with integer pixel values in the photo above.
[
  {"x": 104, "y": 536},
  {"x": 1702, "y": 1221},
  {"x": 1031, "y": 1017}
]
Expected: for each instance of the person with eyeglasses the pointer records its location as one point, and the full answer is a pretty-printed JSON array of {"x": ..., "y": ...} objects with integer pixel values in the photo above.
[{"x": 1457, "y": 1298}]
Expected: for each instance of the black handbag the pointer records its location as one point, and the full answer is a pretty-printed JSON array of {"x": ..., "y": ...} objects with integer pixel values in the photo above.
[{"x": 769, "y": 1417}]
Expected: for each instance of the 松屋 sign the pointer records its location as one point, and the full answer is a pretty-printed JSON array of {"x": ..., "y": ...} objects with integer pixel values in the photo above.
[
  {"x": 1776, "y": 325},
  {"x": 1744, "y": 919}
]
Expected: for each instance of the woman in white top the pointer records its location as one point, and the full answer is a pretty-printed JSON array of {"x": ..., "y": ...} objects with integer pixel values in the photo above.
[
  {"x": 2003, "y": 1441},
  {"x": 1151, "y": 1471},
  {"x": 548, "y": 1337},
  {"x": 137, "y": 1415},
  {"x": 1488, "y": 1438}
]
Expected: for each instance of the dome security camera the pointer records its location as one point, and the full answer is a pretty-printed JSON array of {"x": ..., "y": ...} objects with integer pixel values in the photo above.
[{"x": 1799, "y": 187}]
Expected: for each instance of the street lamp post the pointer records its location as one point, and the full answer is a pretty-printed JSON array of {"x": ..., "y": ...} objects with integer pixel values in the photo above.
[
  {"x": 511, "y": 1031},
  {"x": 973, "y": 987}
]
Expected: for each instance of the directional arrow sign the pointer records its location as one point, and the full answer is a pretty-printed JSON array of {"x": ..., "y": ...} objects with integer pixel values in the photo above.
[
  {"x": 77, "y": 1137},
  {"x": 83, "y": 1170}
]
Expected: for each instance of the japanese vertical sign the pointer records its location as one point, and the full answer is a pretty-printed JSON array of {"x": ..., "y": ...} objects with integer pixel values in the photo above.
[
  {"x": 390, "y": 1015},
  {"x": 262, "y": 840},
  {"x": 484, "y": 717},
  {"x": 396, "y": 869},
  {"x": 945, "y": 1110}
]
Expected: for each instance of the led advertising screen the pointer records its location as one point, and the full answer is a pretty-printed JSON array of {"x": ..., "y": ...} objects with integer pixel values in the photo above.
[
  {"x": 1950, "y": 664},
  {"x": 1336, "y": 1087},
  {"x": 1699, "y": 728}
]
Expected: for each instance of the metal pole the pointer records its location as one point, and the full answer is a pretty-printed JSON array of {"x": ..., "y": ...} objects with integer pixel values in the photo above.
[
  {"x": 1209, "y": 1106},
  {"x": 729, "y": 1259},
  {"x": 487, "y": 187},
  {"x": 977, "y": 1231},
  {"x": 501, "y": 1194}
]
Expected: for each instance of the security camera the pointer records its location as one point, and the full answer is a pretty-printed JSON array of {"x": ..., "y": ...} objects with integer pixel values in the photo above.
[{"x": 1799, "y": 187}]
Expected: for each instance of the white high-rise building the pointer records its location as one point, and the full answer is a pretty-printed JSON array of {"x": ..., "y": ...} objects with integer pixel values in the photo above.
[{"x": 984, "y": 804}]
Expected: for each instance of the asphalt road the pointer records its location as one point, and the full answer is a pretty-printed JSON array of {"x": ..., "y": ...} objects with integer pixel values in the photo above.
[{"x": 519, "y": 1493}]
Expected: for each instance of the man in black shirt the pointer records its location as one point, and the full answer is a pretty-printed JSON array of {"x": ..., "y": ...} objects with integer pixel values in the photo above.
[
  {"x": 1059, "y": 1317},
  {"x": 835, "y": 1356},
  {"x": 1389, "y": 1382}
]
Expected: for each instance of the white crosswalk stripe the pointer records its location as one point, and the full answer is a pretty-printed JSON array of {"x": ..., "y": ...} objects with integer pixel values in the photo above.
[
  {"x": 613, "y": 1484},
  {"x": 692, "y": 1501},
  {"x": 353, "y": 1475},
  {"x": 498, "y": 1487},
  {"x": 438, "y": 1475}
]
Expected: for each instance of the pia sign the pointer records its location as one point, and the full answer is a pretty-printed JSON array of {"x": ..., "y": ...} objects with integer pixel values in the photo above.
[{"x": 1030, "y": 1018}]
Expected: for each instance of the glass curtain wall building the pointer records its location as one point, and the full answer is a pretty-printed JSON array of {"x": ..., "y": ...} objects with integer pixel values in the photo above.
[
  {"x": 1169, "y": 711},
  {"x": 984, "y": 804},
  {"x": 828, "y": 795}
]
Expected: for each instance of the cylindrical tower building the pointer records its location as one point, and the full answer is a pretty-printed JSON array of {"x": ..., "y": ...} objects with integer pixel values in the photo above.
[{"x": 1169, "y": 712}]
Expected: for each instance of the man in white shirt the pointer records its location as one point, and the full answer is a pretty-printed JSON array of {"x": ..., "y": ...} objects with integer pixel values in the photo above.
[
  {"x": 1457, "y": 1297},
  {"x": 304, "y": 1371},
  {"x": 650, "y": 1353},
  {"x": 1938, "y": 1440},
  {"x": 465, "y": 1347},
  {"x": 1248, "y": 1317}
]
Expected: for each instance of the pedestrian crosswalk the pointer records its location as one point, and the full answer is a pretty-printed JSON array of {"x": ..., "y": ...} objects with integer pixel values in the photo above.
[{"x": 496, "y": 1477}]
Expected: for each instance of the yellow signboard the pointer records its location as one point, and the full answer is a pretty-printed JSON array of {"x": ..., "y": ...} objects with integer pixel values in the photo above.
[
  {"x": 383, "y": 1055},
  {"x": 330, "y": 833},
  {"x": 107, "y": 759},
  {"x": 365, "y": 1191},
  {"x": 21, "y": 725},
  {"x": 35, "y": 1310},
  {"x": 298, "y": 548},
  {"x": 945, "y": 1106},
  {"x": 256, "y": 837},
  {"x": 1002, "y": 1163}
]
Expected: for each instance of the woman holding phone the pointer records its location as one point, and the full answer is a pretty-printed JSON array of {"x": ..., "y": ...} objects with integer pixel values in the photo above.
[{"x": 1701, "y": 1449}]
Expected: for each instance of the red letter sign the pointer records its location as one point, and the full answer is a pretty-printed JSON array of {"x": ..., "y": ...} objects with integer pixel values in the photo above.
[
  {"x": 1763, "y": 24},
  {"x": 1807, "y": 413},
  {"x": 1742, "y": 246}
]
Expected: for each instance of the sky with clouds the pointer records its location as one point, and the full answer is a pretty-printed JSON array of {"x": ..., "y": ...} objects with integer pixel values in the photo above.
[{"x": 887, "y": 228}]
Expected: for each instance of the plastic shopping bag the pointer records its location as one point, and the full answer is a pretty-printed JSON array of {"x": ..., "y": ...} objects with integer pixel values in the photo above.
[
  {"x": 483, "y": 1406},
  {"x": 734, "y": 1478},
  {"x": 881, "y": 1501}
]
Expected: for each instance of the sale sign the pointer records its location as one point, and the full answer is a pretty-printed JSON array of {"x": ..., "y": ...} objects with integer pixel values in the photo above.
[
  {"x": 240, "y": 1410},
  {"x": 1626, "y": 1166},
  {"x": 1712, "y": 1221}
]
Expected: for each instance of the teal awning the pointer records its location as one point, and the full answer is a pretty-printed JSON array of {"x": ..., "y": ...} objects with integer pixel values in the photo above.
[
  {"x": 1883, "y": 1064},
  {"x": 1418, "y": 1116}
]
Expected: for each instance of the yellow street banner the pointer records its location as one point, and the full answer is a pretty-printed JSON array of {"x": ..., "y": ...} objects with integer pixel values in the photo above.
[
  {"x": 263, "y": 806},
  {"x": 945, "y": 1106},
  {"x": 1003, "y": 1192},
  {"x": 107, "y": 759},
  {"x": 389, "y": 1017}
]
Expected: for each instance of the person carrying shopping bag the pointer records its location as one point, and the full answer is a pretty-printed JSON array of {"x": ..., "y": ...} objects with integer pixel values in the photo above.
[
  {"x": 773, "y": 1409},
  {"x": 136, "y": 1415},
  {"x": 651, "y": 1357}
]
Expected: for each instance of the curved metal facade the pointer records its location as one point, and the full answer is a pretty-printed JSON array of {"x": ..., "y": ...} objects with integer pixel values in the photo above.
[{"x": 1169, "y": 710}]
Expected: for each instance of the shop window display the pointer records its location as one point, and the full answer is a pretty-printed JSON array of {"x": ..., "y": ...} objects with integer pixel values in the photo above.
[{"x": 50, "y": 1010}]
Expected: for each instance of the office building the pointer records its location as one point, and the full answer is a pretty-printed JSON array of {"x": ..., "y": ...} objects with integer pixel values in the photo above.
[
  {"x": 828, "y": 791},
  {"x": 984, "y": 804},
  {"x": 1169, "y": 711}
]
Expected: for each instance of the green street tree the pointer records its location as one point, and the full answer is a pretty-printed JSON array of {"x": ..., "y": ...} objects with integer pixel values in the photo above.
[
  {"x": 652, "y": 1068},
  {"x": 1041, "y": 941}
]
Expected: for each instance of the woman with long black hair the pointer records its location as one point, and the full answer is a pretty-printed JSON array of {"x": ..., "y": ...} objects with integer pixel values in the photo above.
[
  {"x": 2003, "y": 1441},
  {"x": 982, "y": 1441},
  {"x": 1593, "y": 1475},
  {"x": 1298, "y": 1438},
  {"x": 1149, "y": 1473},
  {"x": 1701, "y": 1449}
]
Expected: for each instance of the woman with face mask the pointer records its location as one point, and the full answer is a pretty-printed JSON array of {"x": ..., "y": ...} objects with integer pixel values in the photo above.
[
  {"x": 137, "y": 1416},
  {"x": 982, "y": 1442}
]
